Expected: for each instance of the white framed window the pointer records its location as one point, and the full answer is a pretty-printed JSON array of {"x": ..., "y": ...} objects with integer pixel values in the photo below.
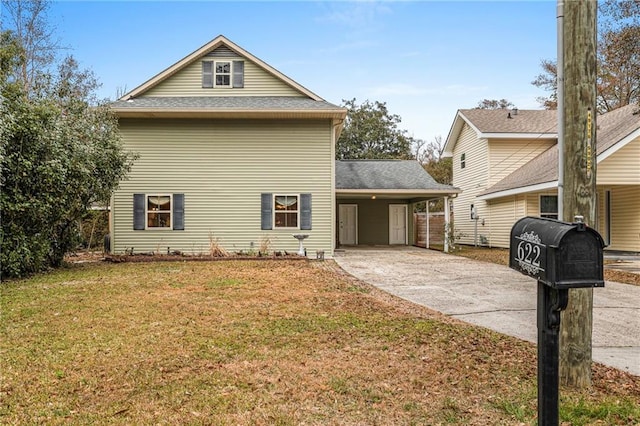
[
  {"x": 549, "y": 206},
  {"x": 158, "y": 211},
  {"x": 463, "y": 160},
  {"x": 286, "y": 209},
  {"x": 223, "y": 74}
]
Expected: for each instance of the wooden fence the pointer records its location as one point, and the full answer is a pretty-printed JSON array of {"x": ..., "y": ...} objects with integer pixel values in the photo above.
[{"x": 436, "y": 228}]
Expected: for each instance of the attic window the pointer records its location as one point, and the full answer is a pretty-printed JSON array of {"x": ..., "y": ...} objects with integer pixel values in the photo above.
[
  {"x": 222, "y": 74},
  {"x": 463, "y": 160}
]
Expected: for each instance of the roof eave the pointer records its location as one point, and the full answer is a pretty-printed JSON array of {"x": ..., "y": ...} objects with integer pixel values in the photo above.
[
  {"x": 334, "y": 114},
  {"x": 618, "y": 145},
  {"x": 454, "y": 134},
  {"x": 520, "y": 190},
  {"x": 518, "y": 136},
  {"x": 342, "y": 191}
]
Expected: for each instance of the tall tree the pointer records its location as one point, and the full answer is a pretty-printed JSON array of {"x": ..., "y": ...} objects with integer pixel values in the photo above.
[
  {"x": 618, "y": 55},
  {"x": 28, "y": 21},
  {"x": 430, "y": 156},
  {"x": 495, "y": 104},
  {"x": 371, "y": 132},
  {"x": 61, "y": 153}
]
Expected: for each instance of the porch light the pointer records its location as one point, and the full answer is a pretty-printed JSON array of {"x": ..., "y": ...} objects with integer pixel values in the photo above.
[{"x": 373, "y": 197}]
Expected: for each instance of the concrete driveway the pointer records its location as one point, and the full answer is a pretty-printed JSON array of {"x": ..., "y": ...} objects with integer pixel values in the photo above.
[{"x": 496, "y": 297}]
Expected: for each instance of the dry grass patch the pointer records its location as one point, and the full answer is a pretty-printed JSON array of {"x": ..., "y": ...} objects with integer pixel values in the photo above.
[{"x": 243, "y": 343}]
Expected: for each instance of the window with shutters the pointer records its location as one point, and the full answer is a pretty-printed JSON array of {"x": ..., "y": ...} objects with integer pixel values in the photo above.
[
  {"x": 223, "y": 74},
  {"x": 286, "y": 211},
  {"x": 279, "y": 211},
  {"x": 158, "y": 211}
]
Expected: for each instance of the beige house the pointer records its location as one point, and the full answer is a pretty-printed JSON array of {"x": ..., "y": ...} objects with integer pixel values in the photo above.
[
  {"x": 231, "y": 152},
  {"x": 506, "y": 163}
]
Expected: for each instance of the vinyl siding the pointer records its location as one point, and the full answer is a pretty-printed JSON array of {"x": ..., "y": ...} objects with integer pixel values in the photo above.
[
  {"x": 625, "y": 218},
  {"x": 506, "y": 156},
  {"x": 504, "y": 213},
  {"x": 622, "y": 167},
  {"x": 188, "y": 82},
  {"x": 222, "y": 167},
  {"x": 471, "y": 180}
]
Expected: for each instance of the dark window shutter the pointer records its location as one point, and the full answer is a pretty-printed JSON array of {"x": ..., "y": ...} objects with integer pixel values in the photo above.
[
  {"x": 238, "y": 74},
  {"x": 266, "y": 208},
  {"x": 207, "y": 74},
  {"x": 178, "y": 212},
  {"x": 305, "y": 211},
  {"x": 138, "y": 212}
]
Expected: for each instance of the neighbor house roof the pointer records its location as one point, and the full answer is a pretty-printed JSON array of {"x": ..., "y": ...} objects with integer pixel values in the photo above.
[
  {"x": 615, "y": 129},
  {"x": 371, "y": 177},
  {"x": 502, "y": 123}
]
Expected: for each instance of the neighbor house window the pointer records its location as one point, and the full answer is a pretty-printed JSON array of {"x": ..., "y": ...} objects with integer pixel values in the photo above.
[
  {"x": 463, "y": 160},
  {"x": 285, "y": 211},
  {"x": 223, "y": 74},
  {"x": 158, "y": 211},
  {"x": 549, "y": 206}
]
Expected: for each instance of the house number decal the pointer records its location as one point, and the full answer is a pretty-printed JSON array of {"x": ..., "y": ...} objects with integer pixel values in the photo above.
[{"x": 529, "y": 253}]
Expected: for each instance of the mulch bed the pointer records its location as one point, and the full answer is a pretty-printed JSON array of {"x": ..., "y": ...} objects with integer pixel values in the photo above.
[{"x": 149, "y": 257}]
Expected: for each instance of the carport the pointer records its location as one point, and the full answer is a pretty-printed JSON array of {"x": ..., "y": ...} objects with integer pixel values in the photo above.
[{"x": 375, "y": 200}]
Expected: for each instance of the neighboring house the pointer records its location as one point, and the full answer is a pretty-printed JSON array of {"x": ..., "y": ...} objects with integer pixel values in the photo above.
[
  {"x": 506, "y": 163},
  {"x": 232, "y": 153}
]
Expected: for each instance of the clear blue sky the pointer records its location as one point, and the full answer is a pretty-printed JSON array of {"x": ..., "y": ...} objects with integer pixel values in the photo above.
[{"x": 425, "y": 59}]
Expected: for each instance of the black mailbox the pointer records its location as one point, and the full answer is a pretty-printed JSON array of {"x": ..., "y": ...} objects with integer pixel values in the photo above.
[{"x": 560, "y": 254}]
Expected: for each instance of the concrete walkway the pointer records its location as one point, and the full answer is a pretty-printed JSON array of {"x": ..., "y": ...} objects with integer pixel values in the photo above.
[{"x": 496, "y": 297}]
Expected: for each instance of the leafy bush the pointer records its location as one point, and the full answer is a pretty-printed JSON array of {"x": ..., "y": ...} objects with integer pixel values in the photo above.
[{"x": 61, "y": 153}]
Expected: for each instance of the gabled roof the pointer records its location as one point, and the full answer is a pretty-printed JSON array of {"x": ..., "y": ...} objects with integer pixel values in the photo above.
[
  {"x": 387, "y": 177},
  {"x": 135, "y": 105},
  {"x": 503, "y": 123},
  {"x": 615, "y": 129},
  {"x": 202, "y": 51}
]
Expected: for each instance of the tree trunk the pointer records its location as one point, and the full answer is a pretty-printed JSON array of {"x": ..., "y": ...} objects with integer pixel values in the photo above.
[{"x": 579, "y": 177}]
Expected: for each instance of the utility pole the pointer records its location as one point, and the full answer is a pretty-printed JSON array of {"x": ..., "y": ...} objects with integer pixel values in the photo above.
[{"x": 579, "y": 195}]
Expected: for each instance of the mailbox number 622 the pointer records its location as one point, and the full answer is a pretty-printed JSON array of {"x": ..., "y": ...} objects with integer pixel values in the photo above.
[{"x": 529, "y": 253}]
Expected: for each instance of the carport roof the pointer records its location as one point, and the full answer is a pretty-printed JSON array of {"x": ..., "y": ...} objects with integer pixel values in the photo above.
[{"x": 387, "y": 176}]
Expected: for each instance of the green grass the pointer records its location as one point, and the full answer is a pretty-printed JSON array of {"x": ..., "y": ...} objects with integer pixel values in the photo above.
[{"x": 244, "y": 343}]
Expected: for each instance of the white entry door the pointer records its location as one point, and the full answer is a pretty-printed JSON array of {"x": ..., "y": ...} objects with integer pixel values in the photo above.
[
  {"x": 348, "y": 222},
  {"x": 397, "y": 224}
]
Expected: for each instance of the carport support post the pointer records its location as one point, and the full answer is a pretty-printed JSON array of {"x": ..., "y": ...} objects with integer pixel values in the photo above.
[
  {"x": 448, "y": 231},
  {"x": 550, "y": 302}
]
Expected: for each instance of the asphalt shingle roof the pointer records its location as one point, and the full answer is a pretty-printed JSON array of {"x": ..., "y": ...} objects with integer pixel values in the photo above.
[
  {"x": 508, "y": 121},
  {"x": 612, "y": 128},
  {"x": 385, "y": 174},
  {"x": 224, "y": 103}
]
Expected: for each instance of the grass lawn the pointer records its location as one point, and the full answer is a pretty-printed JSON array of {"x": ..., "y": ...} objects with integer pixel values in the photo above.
[{"x": 262, "y": 342}]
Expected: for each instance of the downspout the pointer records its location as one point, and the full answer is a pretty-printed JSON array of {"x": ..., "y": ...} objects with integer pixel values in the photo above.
[{"x": 560, "y": 99}]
